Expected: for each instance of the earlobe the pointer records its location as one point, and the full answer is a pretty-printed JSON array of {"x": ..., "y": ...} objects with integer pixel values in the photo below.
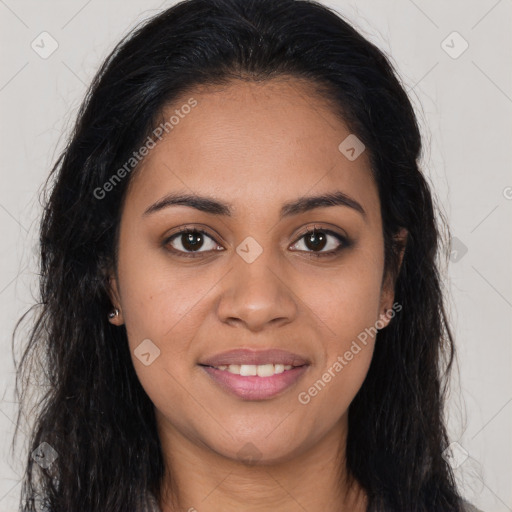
[
  {"x": 384, "y": 318},
  {"x": 115, "y": 316},
  {"x": 386, "y": 300}
]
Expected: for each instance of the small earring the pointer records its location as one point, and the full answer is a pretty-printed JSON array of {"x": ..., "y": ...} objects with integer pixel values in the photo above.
[{"x": 114, "y": 313}]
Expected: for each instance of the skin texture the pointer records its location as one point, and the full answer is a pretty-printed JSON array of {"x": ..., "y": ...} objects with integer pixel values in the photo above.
[{"x": 254, "y": 146}]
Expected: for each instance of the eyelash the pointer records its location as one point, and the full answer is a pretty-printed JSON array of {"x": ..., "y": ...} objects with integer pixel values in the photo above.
[{"x": 344, "y": 242}]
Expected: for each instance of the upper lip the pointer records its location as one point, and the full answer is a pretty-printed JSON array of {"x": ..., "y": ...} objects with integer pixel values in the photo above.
[{"x": 255, "y": 357}]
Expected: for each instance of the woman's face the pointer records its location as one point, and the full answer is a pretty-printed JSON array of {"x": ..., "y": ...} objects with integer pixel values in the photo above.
[{"x": 255, "y": 279}]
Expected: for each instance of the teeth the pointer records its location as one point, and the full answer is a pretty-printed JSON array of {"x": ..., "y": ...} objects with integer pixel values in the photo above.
[
  {"x": 261, "y": 370},
  {"x": 248, "y": 369},
  {"x": 265, "y": 370},
  {"x": 279, "y": 368}
]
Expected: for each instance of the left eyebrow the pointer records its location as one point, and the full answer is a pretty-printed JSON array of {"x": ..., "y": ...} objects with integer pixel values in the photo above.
[
  {"x": 307, "y": 203},
  {"x": 295, "y": 207}
]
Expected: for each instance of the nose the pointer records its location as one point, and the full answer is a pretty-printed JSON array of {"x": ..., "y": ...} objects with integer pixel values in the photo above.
[{"x": 256, "y": 295}]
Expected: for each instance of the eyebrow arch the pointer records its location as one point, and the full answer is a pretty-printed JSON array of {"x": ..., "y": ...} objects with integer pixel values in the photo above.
[{"x": 295, "y": 207}]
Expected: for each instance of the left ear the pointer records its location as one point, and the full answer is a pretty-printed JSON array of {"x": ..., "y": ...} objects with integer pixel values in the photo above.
[
  {"x": 387, "y": 295},
  {"x": 113, "y": 293}
]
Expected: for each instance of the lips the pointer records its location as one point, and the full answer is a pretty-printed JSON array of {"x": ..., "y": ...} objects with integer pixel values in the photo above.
[
  {"x": 235, "y": 372},
  {"x": 254, "y": 357},
  {"x": 253, "y": 387}
]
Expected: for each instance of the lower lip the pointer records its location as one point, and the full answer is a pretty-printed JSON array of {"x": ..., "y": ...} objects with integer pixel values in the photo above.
[{"x": 254, "y": 387}]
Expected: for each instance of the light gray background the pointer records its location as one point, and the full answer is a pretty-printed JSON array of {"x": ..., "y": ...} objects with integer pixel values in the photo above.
[{"x": 464, "y": 105}]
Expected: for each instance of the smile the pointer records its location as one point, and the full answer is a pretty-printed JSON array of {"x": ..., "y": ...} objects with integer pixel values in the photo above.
[
  {"x": 261, "y": 370},
  {"x": 255, "y": 382}
]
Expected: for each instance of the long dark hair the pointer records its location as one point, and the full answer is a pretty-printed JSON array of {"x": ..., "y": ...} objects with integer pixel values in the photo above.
[{"x": 93, "y": 413}]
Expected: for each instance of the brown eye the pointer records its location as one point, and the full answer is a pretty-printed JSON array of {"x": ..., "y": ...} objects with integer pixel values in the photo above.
[
  {"x": 191, "y": 241},
  {"x": 315, "y": 241}
]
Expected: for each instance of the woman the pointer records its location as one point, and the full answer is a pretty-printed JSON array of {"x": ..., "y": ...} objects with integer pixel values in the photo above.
[{"x": 240, "y": 303}]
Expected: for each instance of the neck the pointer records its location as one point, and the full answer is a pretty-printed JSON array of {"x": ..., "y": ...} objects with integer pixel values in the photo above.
[{"x": 199, "y": 479}]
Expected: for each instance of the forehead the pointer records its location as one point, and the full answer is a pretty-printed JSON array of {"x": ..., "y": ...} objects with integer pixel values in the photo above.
[{"x": 253, "y": 144}]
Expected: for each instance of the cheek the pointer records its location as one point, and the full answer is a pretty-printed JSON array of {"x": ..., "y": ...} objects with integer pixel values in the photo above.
[
  {"x": 346, "y": 309},
  {"x": 325, "y": 399},
  {"x": 346, "y": 300},
  {"x": 158, "y": 298},
  {"x": 167, "y": 306},
  {"x": 348, "y": 345}
]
